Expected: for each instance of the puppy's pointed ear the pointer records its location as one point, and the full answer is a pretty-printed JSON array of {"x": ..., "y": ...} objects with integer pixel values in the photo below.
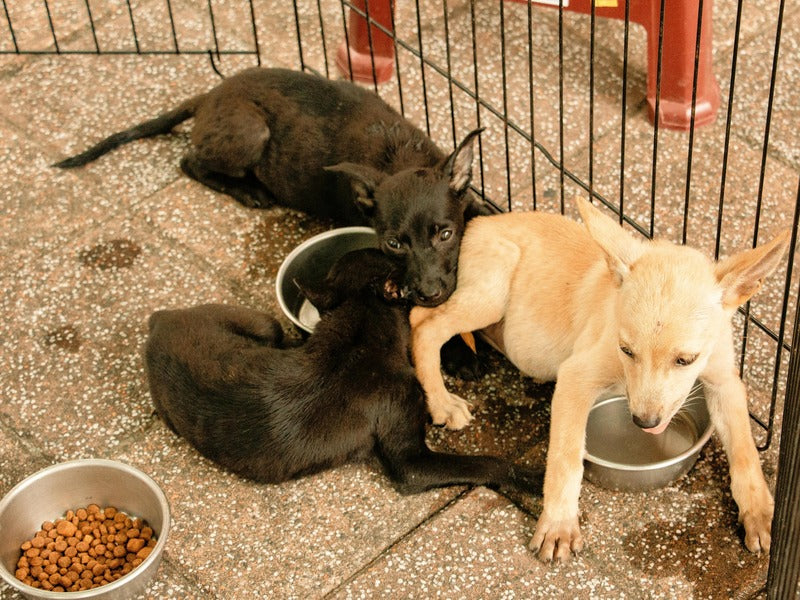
[
  {"x": 364, "y": 180},
  {"x": 620, "y": 248},
  {"x": 742, "y": 274},
  {"x": 458, "y": 166}
]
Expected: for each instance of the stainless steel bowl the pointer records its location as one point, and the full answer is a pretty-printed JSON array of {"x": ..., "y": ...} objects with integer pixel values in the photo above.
[
  {"x": 620, "y": 456},
  {"x": 309, "y": 262},
  {"x": 49, "y": 493}
]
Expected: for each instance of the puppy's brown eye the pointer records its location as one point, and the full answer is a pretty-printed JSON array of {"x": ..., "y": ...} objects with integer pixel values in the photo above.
[
  {"x": 685, "y": 361},
  {"x": 626, "y": 351},
  {"x": 445, "y": 234}
]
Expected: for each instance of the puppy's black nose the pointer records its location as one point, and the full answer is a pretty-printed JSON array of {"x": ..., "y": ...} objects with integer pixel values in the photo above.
[
  {"x": 430, "y": 299},
  {"x": 648, "y": 423}
]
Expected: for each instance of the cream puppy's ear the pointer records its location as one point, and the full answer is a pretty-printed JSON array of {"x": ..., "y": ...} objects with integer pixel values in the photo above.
[
  {"x": 742, "y": 274},
  {"x": 620, "y": 248}
]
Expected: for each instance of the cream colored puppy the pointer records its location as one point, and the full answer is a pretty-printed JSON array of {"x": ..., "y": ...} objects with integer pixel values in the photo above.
[{"x": 596, "y": 309}]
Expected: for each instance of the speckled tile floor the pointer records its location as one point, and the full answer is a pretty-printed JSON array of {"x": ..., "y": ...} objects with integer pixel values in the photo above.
[{"x": 89, "y": 254}]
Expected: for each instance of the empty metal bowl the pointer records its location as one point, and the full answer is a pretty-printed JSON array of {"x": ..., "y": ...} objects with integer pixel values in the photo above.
[
  {"x": 620, "y": 456},
  {"x": 309, "y": 263},
  {"x": 51, "y": 492}
]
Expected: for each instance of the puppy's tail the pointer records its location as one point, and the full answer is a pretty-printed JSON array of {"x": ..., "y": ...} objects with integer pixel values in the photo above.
[{"x": 160, "y": 125}]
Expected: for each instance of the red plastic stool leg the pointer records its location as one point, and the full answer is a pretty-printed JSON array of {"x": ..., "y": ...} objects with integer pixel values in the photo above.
[
  {"x": 677, "y": 65},
  {"x": 357, "y": 61}
]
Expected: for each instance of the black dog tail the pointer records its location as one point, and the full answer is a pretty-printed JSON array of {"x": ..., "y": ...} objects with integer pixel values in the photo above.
[{"x": 160, "y": 125}]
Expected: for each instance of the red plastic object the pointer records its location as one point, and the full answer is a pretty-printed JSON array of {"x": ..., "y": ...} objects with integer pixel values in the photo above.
[
  {"x": 677, "y": 57},
  {"x": 359, "y": 56},
  {"x": 677, "y": 61}
]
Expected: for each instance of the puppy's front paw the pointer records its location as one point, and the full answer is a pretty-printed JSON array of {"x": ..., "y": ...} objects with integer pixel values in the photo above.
[
  {"x": 556, "y": 539},
  {"x": 757, "y": 529},
  {"x": 453, "y": 413}
]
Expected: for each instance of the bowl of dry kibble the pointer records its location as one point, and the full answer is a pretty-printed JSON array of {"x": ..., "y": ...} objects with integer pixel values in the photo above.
[{"x": 83, "y": 529}]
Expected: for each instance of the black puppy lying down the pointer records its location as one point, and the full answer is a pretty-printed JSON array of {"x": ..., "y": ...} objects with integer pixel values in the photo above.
[{"x": 219, "y": 377}]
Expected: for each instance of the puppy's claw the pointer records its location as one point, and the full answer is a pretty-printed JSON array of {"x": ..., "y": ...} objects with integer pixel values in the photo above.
[
  {"x": 556, "y": 540},
  {"x": 757, "y": 530}
]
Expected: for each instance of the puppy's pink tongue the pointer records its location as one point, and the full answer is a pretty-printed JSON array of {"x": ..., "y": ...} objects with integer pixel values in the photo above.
[{"x": 659, "y": 429}]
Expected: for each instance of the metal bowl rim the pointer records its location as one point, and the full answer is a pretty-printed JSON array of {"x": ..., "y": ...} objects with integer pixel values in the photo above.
[
  {"x": 694, "y": 449},
  {"x": 299, "y": 249},
  {"x": 158, "y": 549}
]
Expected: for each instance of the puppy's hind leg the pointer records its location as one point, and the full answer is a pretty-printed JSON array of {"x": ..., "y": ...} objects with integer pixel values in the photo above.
[
  {"x": 427, "y": 470},
  {"x": 254, "y": 324},
  {"x": 229, "y": 136},
  {"x": 247, "y": 189},
  {"x": 414, "y": 468},
  {"x": 480, "y": 299}
]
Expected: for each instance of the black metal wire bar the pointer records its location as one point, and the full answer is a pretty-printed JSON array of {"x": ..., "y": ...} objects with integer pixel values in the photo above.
[
  {"x": 300, "y": 40},
  {"x": 422, "y": 70},
  {"x": 530, "y": 102},
  {"x": 133, "y": 27},
  {"x": 561, "y": 101},
  {"x": 656, "y": 118},
  {"x": 764, "y": 154},
  {"x": 10, "y": 29},
  {"x": 255, "y": 32},
  {"x": 592, "y": 19},
  {"x": 91, "y": 26},
  {"x": 65, "y": 52},
  {"x": 782, "y": 328},
  {"x": 397, "y": 62},
  {"x": 725, "y": 151},
  {"x": 476, "y": 95},
  {"x": 346, "y": 39},
  {"x": 172, "y": 26},
  {"x": 372, "y": 51},
  {"x": 213, "y": 28},
  {"x": 692, "y": 122},
  {"x": 52, "y": 27},
  {"x": 624, "y": 107},
  {"x": 784, "y": 558},
  {"x": 449, "y": 72},
  {"x": 505, "y": 101},
  {"x": 322, "y": 38}
]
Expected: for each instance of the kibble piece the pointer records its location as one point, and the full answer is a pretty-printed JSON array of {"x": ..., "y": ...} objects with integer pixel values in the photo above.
[
  {"x": 135, "y": 544},
  {"x": 66, "y": 528}
]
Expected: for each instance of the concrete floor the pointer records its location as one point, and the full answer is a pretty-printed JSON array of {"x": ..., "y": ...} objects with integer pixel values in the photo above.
[{"x": 88, "y": 254}]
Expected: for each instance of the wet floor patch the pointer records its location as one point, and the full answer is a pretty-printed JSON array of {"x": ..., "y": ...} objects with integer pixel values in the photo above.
[
  {"x": 66, "y": 338},
  {"x": 114, "y": 254}
]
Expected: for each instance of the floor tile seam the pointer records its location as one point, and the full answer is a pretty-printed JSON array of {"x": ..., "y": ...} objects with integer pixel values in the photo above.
[
  {"x": 25, "y": 439},
  {"x": 773, "y": 152},
  {"x": 222, "y": 275},
  {"x": 364, "y": 568},
  {"x": 186, "y": 574}
]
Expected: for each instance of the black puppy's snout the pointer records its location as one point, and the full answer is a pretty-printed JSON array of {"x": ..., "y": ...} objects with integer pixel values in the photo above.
[
  {"x": 430, "y": 298},
  {"x": 646, "y": 423}
]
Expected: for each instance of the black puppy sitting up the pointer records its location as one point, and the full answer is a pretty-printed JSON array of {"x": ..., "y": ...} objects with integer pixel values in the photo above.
[{"x": 219, "y": 377}]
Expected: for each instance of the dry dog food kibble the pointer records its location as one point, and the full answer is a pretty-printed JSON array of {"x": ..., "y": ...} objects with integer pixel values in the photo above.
[{"x": 88, "y": 548}]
